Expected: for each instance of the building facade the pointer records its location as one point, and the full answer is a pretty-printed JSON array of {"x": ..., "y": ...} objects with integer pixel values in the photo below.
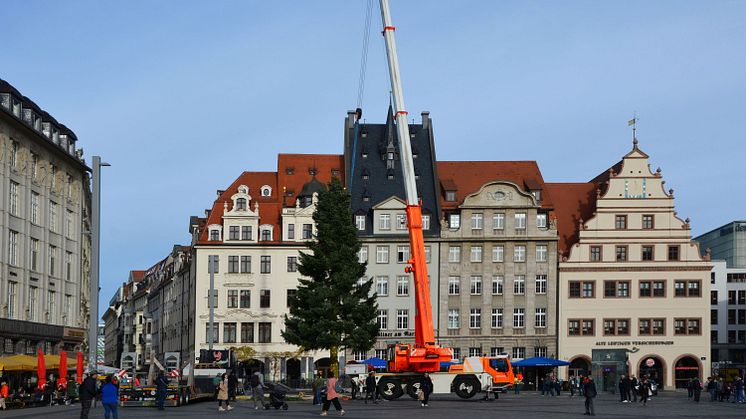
[
  {"x": 728, "y": 319},
  {"x": 633, "y": 287},
  {"x": 726, "y": 243},
  {"x": 113, "y": 329},
  {"x": 498, "y": 261},
  {"x": 44, "y": 217}
]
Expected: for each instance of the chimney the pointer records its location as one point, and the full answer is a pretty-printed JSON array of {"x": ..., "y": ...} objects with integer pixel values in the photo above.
[
  {"x": 426, "y": 120},
  {"x": 351, "y": 119},
  {"x": 220, "y": 192}
]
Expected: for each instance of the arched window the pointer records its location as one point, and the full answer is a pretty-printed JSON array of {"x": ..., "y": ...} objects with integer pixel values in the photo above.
[
  {"x": 266, "y": 233},
  {"x": 241, "y": 204},
  {"x": 266, "y": 191}
]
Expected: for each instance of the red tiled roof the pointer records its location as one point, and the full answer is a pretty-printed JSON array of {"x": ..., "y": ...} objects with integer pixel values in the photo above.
[
  {"x": 137, "y": 276},
  {"x": 572, "y": 202},
  {"x": 469, "y": 176},
  {"x": 293, "y": 171}
]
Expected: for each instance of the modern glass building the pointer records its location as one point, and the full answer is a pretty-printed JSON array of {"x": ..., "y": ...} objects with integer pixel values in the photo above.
[{"x": 726, "y": 243}]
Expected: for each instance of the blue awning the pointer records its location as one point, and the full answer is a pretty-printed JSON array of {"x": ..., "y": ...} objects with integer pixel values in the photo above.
[
  {"x": 376, "y": 362},
  {"x": 540, "y": 362}
]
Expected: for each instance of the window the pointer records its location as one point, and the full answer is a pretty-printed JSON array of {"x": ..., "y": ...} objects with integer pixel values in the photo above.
[
  {"x": 402, "y": 319},
  {"x": 451, "y": 196},
  {"x": 360, "y": 222},
  {"x": 713, "y": 297},
  {"x": 456, "y": 353},
  {"x": 402, "y": 285},
  {"x": 384, "y": 222},
  {"x": 731, "y": 316},
  {"x": 686, "y": 326},
  {"x": 11, "y": 299},
  {"x": 290, "y": 297},
  {"x": 34, "y": 257},
  {"x": 475, "y": 285},
  {"x": 684, "y": 288},
  {"x": 401, "y": 222},
  {"x": 69, "y": 266},
  {"x": 232, "y": 264},
  {"x": 454, "y": 254},
  {"x": 34, "y": 207},
  {"x": 33, "y": 295},
  {"x": 69, "y": 225},
  {"x": 427, "y": 254},
  {"x": 713, "y": 317},
  {"x": 52, "y": 260},
  {"x": 648, "y": 221},
  {"x": 214, "y": 234},
  {"x": 475, "y": 318},
  {"x": 14, "y": 154},
  {"x": 453, "y": 320},
  {"x": 247, "y": 332},
  {"x": 13, "y": 198},
  {"x": 266, "y": 191},
  {"x": 673, "y": 252},
  {"x": 246, "y": 233},
  {"x": 541, "y": 284},
  {"x": 541, "y": 253},
  {"x": 245, "y": 264},
  {"x": 266, "y": 234},
  {"x": 265, "y": 332},
  {"x": 265, "y": 264},
  {"x": 402, "y": 254},
  {"x": 519, "y": 352},
  {"x": 454, "y": 221},
  {"x": 362, "y": 254},
  {"x": 233, "y": 233},
  {"x": 215, "y": 335},
  {"x": 498, "y": 253},
  {"x": 498, "y": 221},
  {"x": 616, "y": 289},
  {"x": 454, "y": 285},
  {"x": 497, "y": 318},
  {"x": 520, "y": 221},
  {"x": 652, "y": 288},
  {"x": 519, "y": 253},
  {"x": 232, "y": 299},
  {"x": 732, "y": 297},
  {"x": 742, "y": 297},
  {"x": 650, "y": 327},
  {"x": 245, "y": 299},
  {"x": 616, "y": 327},
  {"x": 307, "y": 231},
  {"x": 621, "y": 253},
  {"x": 582, "y": 289},
  {"x": 264, "y": 298},
  {"x": 541, "y": 220},
  {"x": 540, "y": 317},
  {"x": 476, "y": 221},
  {"x": 292, "y": 264},
  {"x": 497, "y": 284},
  {"x": 540, "y": 351},
  {"x": 519, "y": 285},
  {"x": 595, "y": 253},
  {"x": 13, "y": 247},
  {"x": 383, "y": 319},
  {"x": 518, "y": 318},
  {"x": 581, "y": 327},
  {"x": 53, "y": 214},
  {"x": 382, "y": 285},
  {"x": 241, "y": 204},
  {"x": 52, "y": 304},
  {"x": 426, "y": 222},
  {"x": 474, "y": 351},
  {"x": 382, "y": 254},
  {"x": 68, "y": 309},
  {"x": 647, "y": 253},
  {"x": 53, "y": 178},
  {"x": 620, "y": 222},
  {"x": 476, "y": 254},
  {"x": 291, "y": 231},
  {"x": 229, "y": 332}
]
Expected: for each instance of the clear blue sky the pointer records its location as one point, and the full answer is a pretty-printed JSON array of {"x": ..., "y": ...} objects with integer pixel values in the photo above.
[{"x": 181, "y": 96}]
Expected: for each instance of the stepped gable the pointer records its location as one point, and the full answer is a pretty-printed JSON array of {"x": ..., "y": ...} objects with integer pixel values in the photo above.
[{"x": 572, "y": 202}]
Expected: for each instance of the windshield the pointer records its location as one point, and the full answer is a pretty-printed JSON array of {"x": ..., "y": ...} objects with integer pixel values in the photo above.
[{"x": 499, "y": 364}]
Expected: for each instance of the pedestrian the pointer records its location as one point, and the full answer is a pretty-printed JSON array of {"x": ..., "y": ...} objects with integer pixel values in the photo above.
[
  {"x": 516, "y": 385},
  {"x": 110, "y": 398},
  {"x": 712, "y": 388},
  {"x": 332, "y": 396},
  {"x": 426, "y": 386},
  {"x": 697, "y": 388},
  {"x": 316, "y": 385},
  {"x": 3, "y": 394},
  {"x": 719, "y": 388},
  {"x": 623, "y": 389},
  {"x": 223, "y": 394},
  {"x": 137, "y": 381},
  {"x": 690, "y": 389},
  {"x": 519, "y": 383},
  {"x": 88, "y": 393},
  {"x": 72, "y": 390},
  {"x": 370, "y": 387},
  {"x": 589, "y": 390},
  {"x": 161, "y": 385},
  {"x": 737, "y": 390},
  {"x": 633, "y": 389},
  {"x": 257, "y": 390},
  {"x": 571, "y": 383},
  {"x": 232, "y": 384},
  {"x": 645, "y": 391}
]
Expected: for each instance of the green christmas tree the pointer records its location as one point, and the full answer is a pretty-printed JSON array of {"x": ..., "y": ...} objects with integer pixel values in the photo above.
[{"x": 333, "y": 307}]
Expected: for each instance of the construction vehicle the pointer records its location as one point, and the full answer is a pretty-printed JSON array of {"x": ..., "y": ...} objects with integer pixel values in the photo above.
[{"x": 408, "y": 362}]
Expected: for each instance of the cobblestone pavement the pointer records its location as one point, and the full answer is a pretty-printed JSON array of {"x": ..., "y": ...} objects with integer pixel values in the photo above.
[{"x": 525, "y": 405}]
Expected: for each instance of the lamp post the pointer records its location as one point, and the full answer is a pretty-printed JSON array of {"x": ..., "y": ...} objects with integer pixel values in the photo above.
[{"x": 95, "y": 259}]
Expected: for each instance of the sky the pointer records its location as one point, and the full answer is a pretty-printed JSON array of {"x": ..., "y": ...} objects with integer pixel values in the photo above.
[{"x": 182, "y": 96}]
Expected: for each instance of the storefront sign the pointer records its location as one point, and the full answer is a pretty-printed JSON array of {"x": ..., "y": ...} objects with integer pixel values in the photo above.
[
  {"x": 73, "y": 333},
  {"x": 636, "y": 343},
  {"x": 650, "y": 362}
]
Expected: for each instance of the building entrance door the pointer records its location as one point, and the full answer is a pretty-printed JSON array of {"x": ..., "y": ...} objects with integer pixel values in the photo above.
[
  {"x": 652, "y": 367},
  {"x": 685, "y": 368}
]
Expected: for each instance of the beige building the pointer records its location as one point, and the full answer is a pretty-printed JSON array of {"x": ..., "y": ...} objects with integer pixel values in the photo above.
[{"x": 633, "y": 287}]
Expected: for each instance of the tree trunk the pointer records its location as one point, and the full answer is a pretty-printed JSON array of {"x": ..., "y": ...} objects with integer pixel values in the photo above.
[{"x": 334, "y": 361}]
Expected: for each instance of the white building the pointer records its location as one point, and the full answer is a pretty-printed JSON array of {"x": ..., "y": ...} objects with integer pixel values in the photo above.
[{"x": 728, "y": 320}]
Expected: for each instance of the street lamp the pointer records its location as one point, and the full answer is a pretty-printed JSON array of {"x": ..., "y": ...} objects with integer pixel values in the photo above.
[{"x": 95, "y": 259}]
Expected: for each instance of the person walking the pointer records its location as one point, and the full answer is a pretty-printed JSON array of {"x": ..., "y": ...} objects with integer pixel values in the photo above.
[
  {"x": 645, "y": 391},
  {"x": 316, "y": 386},
  {"x": 3, "y": 394},
  {"x": 232, "y": 384},
  {"x": 589, "y": 390},
  {"x": 161, "y": 385},
  {"x": 332, "y": 396},
  {"x": 110, "y": 398},
  {"x": 712, "y": 388},
  {"x": 622, "y": 389},
  {"x": 426, "y": 386},
  {"x": 689, "y": 389},
  {"x": 697, "y": 388},
  {"x": 633, "y": 389},
  {"x": 88, "y": 393},
  {"x": 257, "y": 390},
  {"x": 223, "y": 394},
  {"x": 517, "y": 384},
  {"x": 737, "y": 389},
  {"x": 370, "y": 387},
  {"x": 571, "y": 384}
]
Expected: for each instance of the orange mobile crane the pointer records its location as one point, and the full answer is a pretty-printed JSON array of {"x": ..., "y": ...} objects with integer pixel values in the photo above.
[{"x": 406, "y": 362}]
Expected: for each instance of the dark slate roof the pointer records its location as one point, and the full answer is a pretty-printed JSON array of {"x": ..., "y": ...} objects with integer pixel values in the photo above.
[{"x": 373, "y": 139}]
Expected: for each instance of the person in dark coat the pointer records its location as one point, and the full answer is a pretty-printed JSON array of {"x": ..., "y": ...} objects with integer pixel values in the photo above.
[
  {"x": 632, "y": 389},
  {"x": 697, "y": 388},
  {"x": 161, "y": 384},
  {"x": 645, "y": 391},
  {"x": 88, "y": 393},
  {"x": 426, "y": 385},
  {"x": 232, "y": 384},
  {"x": 622, "y": 388},
  {"x": 370, "y": 387},
  {"x": 589, "y": 391}
]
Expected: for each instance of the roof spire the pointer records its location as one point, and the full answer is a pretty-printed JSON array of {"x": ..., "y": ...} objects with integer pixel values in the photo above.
[
  {"x": 633, "y": 123},
  {"x": 390, "y": 129}
]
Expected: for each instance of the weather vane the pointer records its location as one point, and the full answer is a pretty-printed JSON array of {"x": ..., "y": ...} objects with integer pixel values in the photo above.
[{"x": 633, "y": 123}]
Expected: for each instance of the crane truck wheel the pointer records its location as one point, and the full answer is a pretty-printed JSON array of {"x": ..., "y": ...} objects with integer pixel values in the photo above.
[
  {"x": 390, "y": 388},
  {"x": 413, "y": 387},
  {"x": 466, "y": 386}
]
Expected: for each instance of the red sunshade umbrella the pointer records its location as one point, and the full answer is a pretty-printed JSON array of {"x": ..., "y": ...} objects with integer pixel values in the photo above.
[
  {"x": 41, "y": 369},
  {"x": 79, "y": 377},
  {"x": 62, "y": 381}
]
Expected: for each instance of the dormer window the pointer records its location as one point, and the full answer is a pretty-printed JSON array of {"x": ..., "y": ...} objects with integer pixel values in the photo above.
[
  {"x": 243, "y": 189},
  {"x": 537, "y": 195},
  {"x": 265, "y": 191},
  {"x": 451, "y": 196},
  {"x": 265, "y": 234},
  {"x": 214, "y": 235},
  {"x": 390, "y": 155},
  {"x": 289, "y": 170},
  {"x": 241, "y": 204}
]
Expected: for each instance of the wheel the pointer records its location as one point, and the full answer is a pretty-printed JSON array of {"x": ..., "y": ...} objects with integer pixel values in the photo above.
[
  {"x": 466, "y": 386},
  {"x": 389, "y": 388},
  {"x": 413, "y": 387},
  {"x": 284, "y": 406}
]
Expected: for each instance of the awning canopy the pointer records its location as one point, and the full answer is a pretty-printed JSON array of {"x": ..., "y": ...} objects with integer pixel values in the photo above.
[
  {"x": 376, "y": 362},
  {"x": 540, "y": 362},
  {"x": 29, "y": 363}
]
